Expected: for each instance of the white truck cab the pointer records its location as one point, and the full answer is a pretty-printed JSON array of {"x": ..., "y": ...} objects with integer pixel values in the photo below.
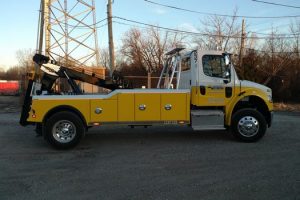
[{"x": 216, "y": 91}]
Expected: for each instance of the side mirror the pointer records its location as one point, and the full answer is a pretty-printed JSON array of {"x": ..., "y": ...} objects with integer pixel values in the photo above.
[
  {"x": 227, "y": 75},
  {"x": 227, "y": 60}
]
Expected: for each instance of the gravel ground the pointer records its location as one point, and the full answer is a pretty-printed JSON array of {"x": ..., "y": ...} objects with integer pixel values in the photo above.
[
  {"x": 160, "y": 162},
  {"x": 10, "y": 104}
]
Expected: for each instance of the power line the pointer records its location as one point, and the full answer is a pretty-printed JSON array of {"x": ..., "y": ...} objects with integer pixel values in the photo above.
[
  {"x": 276, "y": 4},
  {"x": 165, "y": 28},
  {"x": 221, "y": 15},
  {"x": 190, "y": 32},
  {"x": 259, "y": 33},
  {"x": 126, "y": 24}
]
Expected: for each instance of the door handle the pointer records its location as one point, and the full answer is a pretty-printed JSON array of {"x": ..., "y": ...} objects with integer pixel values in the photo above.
[
  {"x": 98, "y": 111},
  {"x": 202, "y": 90},
  {"x": 228, "y": 92},
  {"x": 142, "y": 107},
  {"x": 168, "y": 107}
]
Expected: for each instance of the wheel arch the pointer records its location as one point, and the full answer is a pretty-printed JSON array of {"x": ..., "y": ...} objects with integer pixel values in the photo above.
[
  {"x": 65, "y": 108},
  {"x": 251, "y": 101}
]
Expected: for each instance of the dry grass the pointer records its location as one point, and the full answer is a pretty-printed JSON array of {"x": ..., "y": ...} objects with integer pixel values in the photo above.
[{"x": 287, "y": 107}]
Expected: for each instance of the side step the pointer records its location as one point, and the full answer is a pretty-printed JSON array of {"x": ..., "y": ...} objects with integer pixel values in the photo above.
[{"x": 207, "y": 120}]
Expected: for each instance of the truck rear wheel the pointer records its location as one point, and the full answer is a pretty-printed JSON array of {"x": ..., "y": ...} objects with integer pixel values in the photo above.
[
  {"x": 248, "y": 125},
  {"x": 64, "y": 130}
]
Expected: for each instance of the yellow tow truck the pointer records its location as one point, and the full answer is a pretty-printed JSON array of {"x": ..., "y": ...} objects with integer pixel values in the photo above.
[{"x": 196, "y": 88}]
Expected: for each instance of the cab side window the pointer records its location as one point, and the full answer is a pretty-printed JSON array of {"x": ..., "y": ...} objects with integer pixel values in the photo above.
[
  {"x": 214, "y": 65},
  {"x": 186, "y": 64}
]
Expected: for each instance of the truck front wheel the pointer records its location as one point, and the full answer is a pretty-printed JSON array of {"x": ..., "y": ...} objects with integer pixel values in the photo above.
[
  {"x": 248, "y": 125},
  {"x": 64, "y": 130}
]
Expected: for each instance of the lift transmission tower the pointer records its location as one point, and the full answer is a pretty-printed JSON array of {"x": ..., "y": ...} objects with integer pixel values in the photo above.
[{"x": 68, "y": 33}]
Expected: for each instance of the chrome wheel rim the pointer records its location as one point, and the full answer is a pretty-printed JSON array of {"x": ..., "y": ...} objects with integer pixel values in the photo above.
[
  {"x": 64, "y": 131},
  {"x": 248, "y": 126}
]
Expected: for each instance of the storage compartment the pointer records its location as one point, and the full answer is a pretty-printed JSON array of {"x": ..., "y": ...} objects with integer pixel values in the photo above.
[
  {"x": 174, "y": 106},
  {"x": 126, "y": 107},
  {"x": 147, "y": 107},
  {"x": 104, "y": 110}
]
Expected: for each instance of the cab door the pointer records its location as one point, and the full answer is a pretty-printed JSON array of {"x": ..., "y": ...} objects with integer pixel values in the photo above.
[{"x": 215, "y": 85}]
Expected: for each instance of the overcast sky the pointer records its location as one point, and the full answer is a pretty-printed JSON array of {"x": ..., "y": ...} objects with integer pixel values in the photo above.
[{"x": 18, "y": 20}]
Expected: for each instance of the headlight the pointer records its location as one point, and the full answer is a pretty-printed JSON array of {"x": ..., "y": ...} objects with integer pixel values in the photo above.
[
  {"x": 269, "y": 92},
  {"x": 270, "y": 98}
]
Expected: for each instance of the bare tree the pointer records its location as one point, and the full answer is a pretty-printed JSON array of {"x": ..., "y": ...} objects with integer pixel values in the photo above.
[
  {"x": 104, "y": 57},
  {"x": 252, "y": 41},
  {"x": 147, "y": 48},
  {"x": 2, "y": 73},
  {"x": 219, "y": 33},
  {"x": 24, "y": 65},
  {"x": 24, "y": 57},
  {"x": 276, "y": 55},
  {"x": 295, "y": 32}
]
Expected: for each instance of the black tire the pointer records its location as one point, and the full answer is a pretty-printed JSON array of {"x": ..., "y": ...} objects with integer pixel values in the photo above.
[
  {"x": 248, "y": 125},
  {"x": 69, "y": 129}
]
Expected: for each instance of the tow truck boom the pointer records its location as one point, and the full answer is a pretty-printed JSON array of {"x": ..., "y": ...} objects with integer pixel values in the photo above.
[{"x": 54, "y": 70}]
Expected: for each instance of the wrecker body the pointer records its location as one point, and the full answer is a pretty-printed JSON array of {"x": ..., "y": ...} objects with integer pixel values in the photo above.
[{"x": 196, "y": 88}]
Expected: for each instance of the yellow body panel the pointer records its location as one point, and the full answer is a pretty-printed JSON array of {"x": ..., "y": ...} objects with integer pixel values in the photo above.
[
  {"x": 194, "y": 95},
  {"x": 217, "y": 97},
  {"x": 120, "y": 108},
  {"x": 152, "y": 107},
  {"x": 246, "y": 92},
  {"x": 109, "y": 110},
  {"x": 177, "y": 104},
  {"x": 213, "y": 97},
  {"x": 188, "y": 107},
  {"x": 126, "y": 107},
  {"x": 41, "y": 107}
]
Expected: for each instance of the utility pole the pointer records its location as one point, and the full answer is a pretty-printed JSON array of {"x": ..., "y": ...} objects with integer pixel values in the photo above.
[
  {"x": 96, "y": 35},
  {"x": 41, "y": 27},
  {"x": 47, "y": 25},
  {"x": 110, "y": 37},
  {"x": 40, "y": 38},
  {"x": 243, "y": 38}
]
